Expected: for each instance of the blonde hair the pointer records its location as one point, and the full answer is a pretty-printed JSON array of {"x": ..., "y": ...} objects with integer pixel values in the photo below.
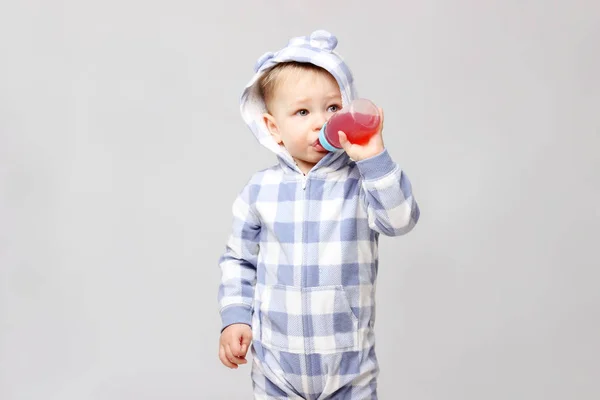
[{"x": 272, "y": 78}]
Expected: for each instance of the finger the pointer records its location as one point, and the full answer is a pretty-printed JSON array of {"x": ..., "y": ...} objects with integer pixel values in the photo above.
[
  {"x": 229, "y": 357},
  {"x": 224, "y": 359},
  {"x": 237, "y": 347},
  {"x": 232, "y": 358},
  {"x": 246, "y": 339}
]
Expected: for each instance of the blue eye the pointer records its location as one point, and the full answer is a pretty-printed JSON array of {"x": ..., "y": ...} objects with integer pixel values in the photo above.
[
  {"x": 333, "y": 108},
  {"x": 302, "y": 113}
]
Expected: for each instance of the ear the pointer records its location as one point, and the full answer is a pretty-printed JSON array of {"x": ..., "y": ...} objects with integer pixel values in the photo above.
[{"x": 272, "y": 127}]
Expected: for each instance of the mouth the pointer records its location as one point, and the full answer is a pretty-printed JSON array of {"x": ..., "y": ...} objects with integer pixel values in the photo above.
[{"x": 317, "y": 146}]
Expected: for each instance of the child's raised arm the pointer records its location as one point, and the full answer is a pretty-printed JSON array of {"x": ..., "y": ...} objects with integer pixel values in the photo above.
[
  {"x": 386, "y": 190},
  {"x": 391, "y": 208}
]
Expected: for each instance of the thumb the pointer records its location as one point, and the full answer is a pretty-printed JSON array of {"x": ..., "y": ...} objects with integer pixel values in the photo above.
[
  {"x": 380, "y": 119},
  {"x": 344, "y": 141},
  {"x": 245, "y": 342}
]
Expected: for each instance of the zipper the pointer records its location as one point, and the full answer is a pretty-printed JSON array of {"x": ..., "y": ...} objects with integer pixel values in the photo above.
[{"x": 304, "y": 277}]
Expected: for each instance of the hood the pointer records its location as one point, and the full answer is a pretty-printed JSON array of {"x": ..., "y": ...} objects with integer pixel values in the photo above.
[{"x": 318, "y": 49}]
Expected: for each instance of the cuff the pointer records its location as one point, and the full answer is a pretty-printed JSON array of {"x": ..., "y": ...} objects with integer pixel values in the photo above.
[
  {"x": 236, "y": 314},
  {"x": 377, "y": 166}
]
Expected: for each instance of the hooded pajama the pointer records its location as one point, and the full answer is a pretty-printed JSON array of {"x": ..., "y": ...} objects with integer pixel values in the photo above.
[{"x": 300, "y": 265}]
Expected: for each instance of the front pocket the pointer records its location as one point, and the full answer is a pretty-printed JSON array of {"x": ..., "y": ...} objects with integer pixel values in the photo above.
[{"x": 307, "y": 320}]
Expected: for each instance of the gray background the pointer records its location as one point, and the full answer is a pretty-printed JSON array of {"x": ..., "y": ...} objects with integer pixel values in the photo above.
[{"x": 122, "y": 148}]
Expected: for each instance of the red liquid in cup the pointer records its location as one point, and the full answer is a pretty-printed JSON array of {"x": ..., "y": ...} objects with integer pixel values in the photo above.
[{"x": 359, "y": 122}]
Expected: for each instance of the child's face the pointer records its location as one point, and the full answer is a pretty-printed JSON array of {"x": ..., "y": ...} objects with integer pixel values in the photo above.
[{"x": 300, "y": 105}]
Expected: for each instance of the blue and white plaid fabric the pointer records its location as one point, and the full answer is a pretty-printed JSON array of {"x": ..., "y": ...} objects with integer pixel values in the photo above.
[
  {"x": 350, "y": 375},
  {"x": 301, "y": 262}
]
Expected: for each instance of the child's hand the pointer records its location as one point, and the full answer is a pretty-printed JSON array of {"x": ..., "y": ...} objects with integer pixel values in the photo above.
[
  {"x": 233, "y": 345},
  {"x": 360, "y": 152}
]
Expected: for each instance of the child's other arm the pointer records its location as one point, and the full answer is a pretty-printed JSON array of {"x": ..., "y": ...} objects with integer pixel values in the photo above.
[{"x": 238, "y": 264}]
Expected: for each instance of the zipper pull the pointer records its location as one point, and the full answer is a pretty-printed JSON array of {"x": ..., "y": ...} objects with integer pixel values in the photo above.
[{"x": 304, "y": 181}]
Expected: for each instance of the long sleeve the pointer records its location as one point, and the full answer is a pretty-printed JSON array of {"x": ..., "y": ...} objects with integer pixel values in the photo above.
[
  {"x": 238, "y": 264},
  {"x": 387, "y": 194}
]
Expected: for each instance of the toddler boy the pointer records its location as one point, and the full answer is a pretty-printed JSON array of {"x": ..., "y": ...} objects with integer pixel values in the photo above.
[{"x": 300, "y": 267}]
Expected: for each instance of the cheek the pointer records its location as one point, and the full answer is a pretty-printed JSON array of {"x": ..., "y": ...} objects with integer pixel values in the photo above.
[{"x": 292, "y": 133}]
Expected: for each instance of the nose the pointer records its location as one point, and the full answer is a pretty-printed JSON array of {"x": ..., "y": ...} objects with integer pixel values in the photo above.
[{"x": 319, "y": 120}]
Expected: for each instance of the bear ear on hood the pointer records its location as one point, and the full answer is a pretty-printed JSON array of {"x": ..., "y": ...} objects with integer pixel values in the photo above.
[
  {"x": 316, "y": 48},
  {"x": 319, "y": 39}
]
